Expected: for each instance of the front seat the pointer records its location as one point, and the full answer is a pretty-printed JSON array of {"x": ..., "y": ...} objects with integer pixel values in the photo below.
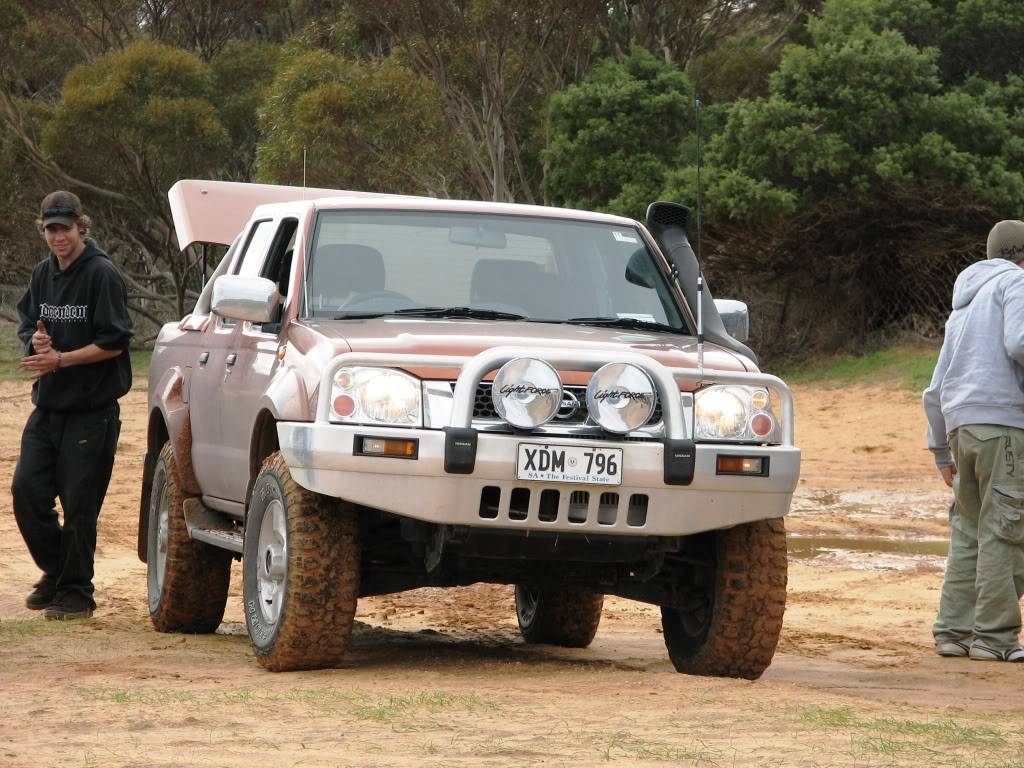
[
  {"x": 342, "y": 270},
  {"x": 513, "y": 284}
]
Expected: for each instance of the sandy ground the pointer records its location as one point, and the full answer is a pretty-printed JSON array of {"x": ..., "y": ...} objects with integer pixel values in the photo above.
[{"x": 440, "y": 677}]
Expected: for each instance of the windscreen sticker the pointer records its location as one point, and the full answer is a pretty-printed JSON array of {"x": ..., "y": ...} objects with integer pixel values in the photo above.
[
  {"x": 642, "y": 317},
  {"x": 622, "y": 237}
]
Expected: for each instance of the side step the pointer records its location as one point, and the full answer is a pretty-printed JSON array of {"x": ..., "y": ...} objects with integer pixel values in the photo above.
[{"x": 211, "y": 527}]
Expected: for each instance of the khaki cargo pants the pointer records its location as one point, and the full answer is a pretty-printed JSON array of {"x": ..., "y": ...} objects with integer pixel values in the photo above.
[{"x": 985, "y": 569}]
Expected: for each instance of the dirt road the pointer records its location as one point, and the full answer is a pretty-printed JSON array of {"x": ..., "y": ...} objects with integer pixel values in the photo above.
[{"x": 440, "y": 678}]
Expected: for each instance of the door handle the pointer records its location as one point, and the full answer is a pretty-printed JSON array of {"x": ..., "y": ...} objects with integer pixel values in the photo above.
[
  {"x": 231, "y": 359},
  {"x": 203, "y": 357}
]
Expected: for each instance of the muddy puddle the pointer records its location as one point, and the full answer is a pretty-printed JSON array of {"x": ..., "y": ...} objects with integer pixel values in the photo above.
[{"x": 873, "y": 553}]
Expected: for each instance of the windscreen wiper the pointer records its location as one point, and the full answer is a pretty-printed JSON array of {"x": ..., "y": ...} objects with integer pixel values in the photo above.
[
  {"x": 472, "y": 312},
  {"x": 469, "y": 312},
  {"x": 632, "y": 323},
  {"x": 360, "y": 315}
]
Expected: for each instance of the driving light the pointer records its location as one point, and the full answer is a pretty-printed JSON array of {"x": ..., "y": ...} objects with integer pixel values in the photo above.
[
  {"x": 527, "y": 392},
  {"x": 621, "y": 397}
]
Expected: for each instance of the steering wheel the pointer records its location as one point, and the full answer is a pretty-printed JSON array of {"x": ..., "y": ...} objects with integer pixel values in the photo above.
[{"x": 369, "y": 296}]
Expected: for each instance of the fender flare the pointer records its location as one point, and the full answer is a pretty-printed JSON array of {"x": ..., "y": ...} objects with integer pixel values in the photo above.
[{"x": 168, "y": 422}]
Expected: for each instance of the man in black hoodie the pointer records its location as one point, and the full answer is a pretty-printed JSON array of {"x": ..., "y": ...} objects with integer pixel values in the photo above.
[{"x": 75, "y": 325}]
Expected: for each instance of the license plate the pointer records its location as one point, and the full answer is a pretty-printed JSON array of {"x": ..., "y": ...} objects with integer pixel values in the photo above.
[{"x": 569, "y": 464}]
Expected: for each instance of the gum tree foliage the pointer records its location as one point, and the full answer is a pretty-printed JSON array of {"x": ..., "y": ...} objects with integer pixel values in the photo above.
[
  {"x": 737, "y": 68},
  {"x": 677, "y": 31},
  {"x": 364, "y": 125},
  {"x": 146, "y": 115},
  {"x": 974, "y": 38},
  {"x": 492, "y": 61},
  {"x": 856, "y": 169},
  {"x": 242, "y": 76},
  {"x": 33, "y": 62},
  {"x": 861, "y": 180},
  {"x": 614, "y": 136},
  {"x": 206, "y": 27}
]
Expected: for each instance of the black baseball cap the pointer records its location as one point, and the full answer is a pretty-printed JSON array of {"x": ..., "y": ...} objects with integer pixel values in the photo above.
[{"x": 60, "y": 207}]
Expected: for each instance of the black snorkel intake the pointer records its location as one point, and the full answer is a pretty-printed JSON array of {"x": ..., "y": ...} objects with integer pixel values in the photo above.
[{"x": 668, "y": 222}]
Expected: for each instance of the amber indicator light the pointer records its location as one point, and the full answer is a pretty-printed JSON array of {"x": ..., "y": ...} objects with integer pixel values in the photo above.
[
  {"x": 387, "y": 446},
  {"x": 742, "y": 465}
]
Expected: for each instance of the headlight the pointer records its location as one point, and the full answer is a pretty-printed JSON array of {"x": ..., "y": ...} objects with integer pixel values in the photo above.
[
  {"x": 734, "y": 413},
  {"x": 376, "y": 395}
]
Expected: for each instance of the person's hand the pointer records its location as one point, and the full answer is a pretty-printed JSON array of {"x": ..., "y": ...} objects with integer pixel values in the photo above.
[
  {"x": 947, "y": 474},
  {"x": 41, "y": 341},
  {"x": 41, "y": 364}
]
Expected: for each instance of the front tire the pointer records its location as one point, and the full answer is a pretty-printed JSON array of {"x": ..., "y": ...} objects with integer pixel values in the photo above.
[
  {"x": 565, "y": 616},
  {"x": 731, "y": 627},
  {"x": 187, "y": 580},
  {"x": 300, "y": 570}
]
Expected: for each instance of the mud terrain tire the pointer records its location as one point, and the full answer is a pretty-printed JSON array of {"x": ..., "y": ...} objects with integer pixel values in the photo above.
[
  {"x": 300, "y": 571},
  {"x": 190, "y": 594},
  {"x": 566, "y": 616},
  {"x": 735, "y": 630}
]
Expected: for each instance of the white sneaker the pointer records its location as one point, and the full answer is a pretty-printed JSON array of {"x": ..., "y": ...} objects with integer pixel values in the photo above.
[
  {"x": 982, "y": 652},
  {"x": 953, "y": 647}
]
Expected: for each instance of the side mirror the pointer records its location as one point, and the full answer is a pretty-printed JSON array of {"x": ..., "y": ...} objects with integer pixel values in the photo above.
[
  {"x": 639, "y": 269},
  {"x": 245, "y": 298},
  {"x": 735, "y": 318}
]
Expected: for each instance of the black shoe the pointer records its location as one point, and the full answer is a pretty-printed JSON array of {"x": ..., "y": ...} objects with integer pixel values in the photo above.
[
  {"x": 42, "y": 594},
  {"x": 70, "y": 605}
]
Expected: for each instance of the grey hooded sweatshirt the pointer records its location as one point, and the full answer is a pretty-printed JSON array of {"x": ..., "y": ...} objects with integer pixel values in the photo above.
[{"x": 979, "y": 378}]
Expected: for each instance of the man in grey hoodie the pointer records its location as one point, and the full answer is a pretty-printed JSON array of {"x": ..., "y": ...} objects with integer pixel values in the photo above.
[{"x": 975, "y": 409}]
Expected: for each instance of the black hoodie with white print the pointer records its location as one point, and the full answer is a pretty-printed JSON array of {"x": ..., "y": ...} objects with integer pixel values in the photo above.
[{"x": 85, "y": 304}]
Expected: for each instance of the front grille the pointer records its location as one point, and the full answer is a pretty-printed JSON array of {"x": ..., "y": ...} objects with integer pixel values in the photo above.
[{"x": 570, "y": 412}]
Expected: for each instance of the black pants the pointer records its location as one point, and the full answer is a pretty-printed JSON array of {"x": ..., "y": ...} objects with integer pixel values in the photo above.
[{"x": 70, "y": 456}]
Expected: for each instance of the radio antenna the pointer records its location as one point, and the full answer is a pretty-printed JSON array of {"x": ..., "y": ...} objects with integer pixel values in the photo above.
[
  {"x": 700, "y": 269},
  {"x": 303, "y": 172}
]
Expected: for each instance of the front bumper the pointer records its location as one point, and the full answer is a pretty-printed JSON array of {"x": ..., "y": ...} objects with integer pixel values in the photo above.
[{"x": 322, "y": 459}]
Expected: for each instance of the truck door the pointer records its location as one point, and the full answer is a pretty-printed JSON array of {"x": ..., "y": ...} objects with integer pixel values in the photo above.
[
  {"x": 254, "y": 350},
  {"x": 212, "y": 369}
]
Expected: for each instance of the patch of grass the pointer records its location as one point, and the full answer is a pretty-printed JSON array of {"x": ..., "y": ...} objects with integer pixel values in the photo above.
[
  {"x": 394, "y": 707},
  {"x": 140, "y": 362},
  {"x": 827, "y": 717},
  {"x": 319, "y": 699},
  {"x": 908, "y": 367},
  {"x": 942, "y": 731},
  {"x": 15, "y": 630},
  {"x": 139, "y": 697},
  {"x": 950, "y": 743},
  {"x": 623, "y": 745},
  {"x": 11, "y": 352}
]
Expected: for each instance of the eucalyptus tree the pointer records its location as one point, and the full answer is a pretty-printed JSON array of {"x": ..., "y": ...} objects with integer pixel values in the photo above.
[
  {"x": 864, "y": 180},
  {"x": 492, "y": 61},
  {"x": 133, "y": 122},
  {"x": 615, "y": 136},
  {"x": 335, "y": 122}
]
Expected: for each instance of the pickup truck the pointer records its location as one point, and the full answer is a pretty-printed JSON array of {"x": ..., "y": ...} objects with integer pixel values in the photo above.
[{"x": 377, "y": 393}]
